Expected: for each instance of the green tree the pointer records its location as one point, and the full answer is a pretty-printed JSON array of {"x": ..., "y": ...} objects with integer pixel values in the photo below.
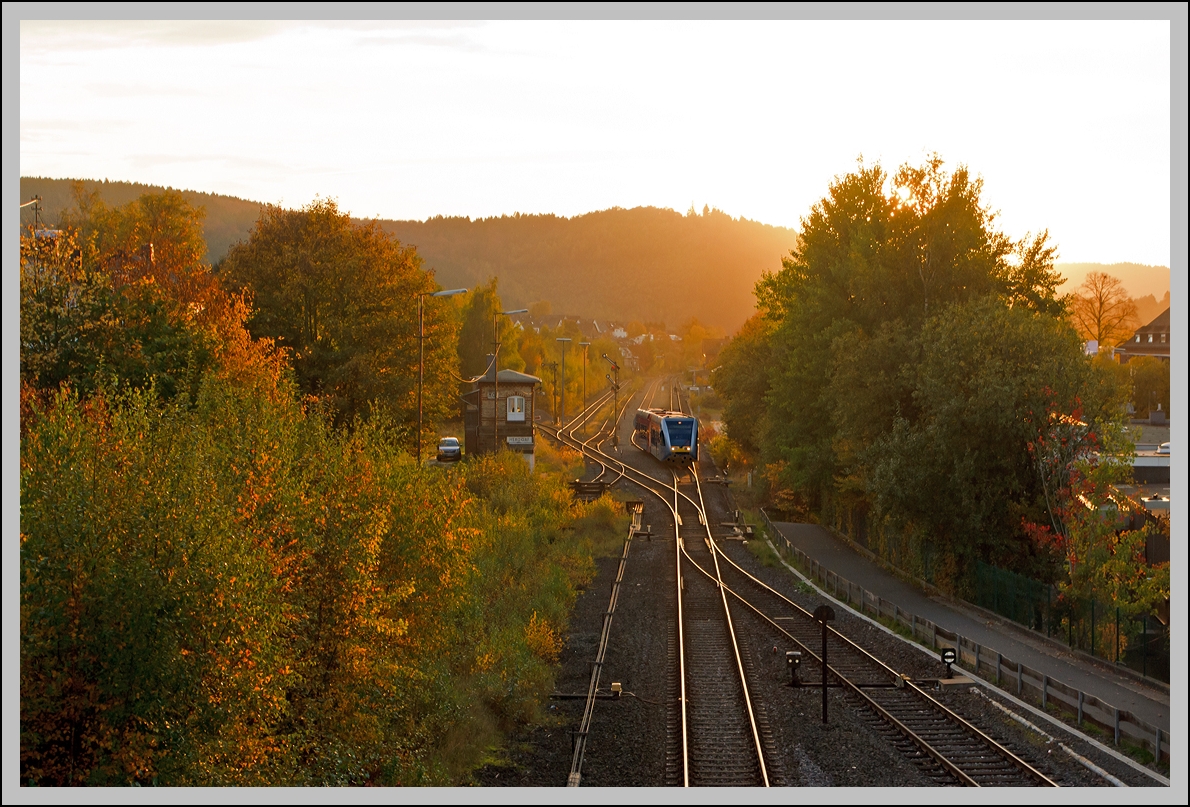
[
  {"x": 78, "y": 328},
  {"x": 342, "y": 298},
  {"x": 743, "y": 383},
  {"x": 1150, "y": 384},
  {"x": 879, "y": 250},
  {"x": 901, "y": 349},
  {"x": 956, "y": 468}
]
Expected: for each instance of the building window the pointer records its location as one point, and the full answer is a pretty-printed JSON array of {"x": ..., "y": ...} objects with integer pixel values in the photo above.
[
  {"x": 516, "y": 408},
  {"x": 1150, "y": 339},
  {"x": 1163, "y": 339},
  {"x": 1138, "y": 337}
]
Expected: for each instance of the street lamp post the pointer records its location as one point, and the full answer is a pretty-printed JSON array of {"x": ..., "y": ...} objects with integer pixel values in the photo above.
[
  {"x": 496, "y": 372},
  {"x": 421, "y": 355},
  {"x": 585, "y": 346},
  {"x": 565, "y": 340}
]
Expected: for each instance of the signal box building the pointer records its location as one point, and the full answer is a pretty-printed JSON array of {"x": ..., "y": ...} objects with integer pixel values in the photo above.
[{"x": 498, "y": 413}]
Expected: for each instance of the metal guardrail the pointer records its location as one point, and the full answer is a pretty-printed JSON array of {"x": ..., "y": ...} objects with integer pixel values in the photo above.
[{"x": 1028, "y": 682}]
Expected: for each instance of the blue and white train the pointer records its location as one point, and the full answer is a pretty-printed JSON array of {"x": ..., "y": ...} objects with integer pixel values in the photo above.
[{"x": 668, "y": 436}]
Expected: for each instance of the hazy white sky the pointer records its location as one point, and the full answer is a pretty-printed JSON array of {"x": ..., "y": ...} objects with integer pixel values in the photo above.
[{"x": 1068, "y": 122}]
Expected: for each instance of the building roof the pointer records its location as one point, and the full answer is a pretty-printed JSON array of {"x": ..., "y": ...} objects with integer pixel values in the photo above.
[
  {"x": 506, "y": 377},
  {"x": 1160, "y": 324},
  {"x": 1149, "y": 340}
]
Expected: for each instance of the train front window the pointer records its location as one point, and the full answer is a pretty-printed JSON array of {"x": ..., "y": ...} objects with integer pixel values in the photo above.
[{"x": 680, "y": 431}]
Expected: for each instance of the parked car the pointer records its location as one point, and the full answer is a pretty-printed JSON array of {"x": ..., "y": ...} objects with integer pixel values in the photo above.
[
  {"x": 449, "y": 449},
  {"x": 1163, "y": 448}
]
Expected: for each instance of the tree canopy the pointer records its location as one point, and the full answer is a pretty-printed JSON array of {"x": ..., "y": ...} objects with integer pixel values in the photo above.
[
  {"x": 342, "y": 297},
  {"x": 904, "y": 343}
]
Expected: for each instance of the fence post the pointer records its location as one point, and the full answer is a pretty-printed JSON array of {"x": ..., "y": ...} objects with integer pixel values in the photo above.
[
  {"x": 1093, "y": 627},
  {"x": 935, "y": 639},
  {"x": 977, "y": 659},
  {"x": 958, "y": 648},
  {"x": 1157, "y": 745},
  {"x": 913, "y": 617},
  {"x": 1116, "y": 718},
  {"x": 1081, "y": 696},
  {"x": 1045, "y": 685},
  {"x": 1144, "y": 647},
  {"x": 1019, "y": 679}
]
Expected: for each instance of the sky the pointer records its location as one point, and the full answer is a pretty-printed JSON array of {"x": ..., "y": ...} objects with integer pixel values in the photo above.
[{"x": 1067, "y": 122}]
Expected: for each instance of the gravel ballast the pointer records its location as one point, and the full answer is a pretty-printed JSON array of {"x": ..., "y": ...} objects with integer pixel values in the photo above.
[{"x": 627, "y": 745}]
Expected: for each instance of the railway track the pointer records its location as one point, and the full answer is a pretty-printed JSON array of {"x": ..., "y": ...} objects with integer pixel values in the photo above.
[
  {"x": 724, "y": 739},
  {"x": 721, "y": 740}
]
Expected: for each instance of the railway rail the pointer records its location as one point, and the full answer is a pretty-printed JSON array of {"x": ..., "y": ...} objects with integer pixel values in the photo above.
[{"x": 724, "y": 738}]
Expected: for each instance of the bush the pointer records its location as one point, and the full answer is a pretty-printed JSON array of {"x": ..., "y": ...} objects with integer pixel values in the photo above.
[{"x": 229, "y": 591}]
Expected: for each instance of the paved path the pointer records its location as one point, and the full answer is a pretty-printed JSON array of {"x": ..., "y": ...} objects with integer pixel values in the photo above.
[{"x": 1100, "y": 680}]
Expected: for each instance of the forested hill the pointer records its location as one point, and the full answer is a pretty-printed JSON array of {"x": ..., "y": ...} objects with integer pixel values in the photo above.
[
  {"x": 1139, "y": 279},
  {"x": 646, "y": 263}
]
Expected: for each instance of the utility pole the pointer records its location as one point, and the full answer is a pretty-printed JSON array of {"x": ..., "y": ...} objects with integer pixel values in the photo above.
[
  {"x": 615, "y": 401},
  {"x": 553, "y": 367},
  {"x": 421, "y": 356},
  {"x": 565, "y": 340},
  {"x": 496, "y": 374}
]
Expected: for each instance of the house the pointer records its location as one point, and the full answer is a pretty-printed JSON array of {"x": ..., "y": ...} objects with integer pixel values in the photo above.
[
  {"x": 498, "y": 412},
  {"x": 1151, "y": 340}
]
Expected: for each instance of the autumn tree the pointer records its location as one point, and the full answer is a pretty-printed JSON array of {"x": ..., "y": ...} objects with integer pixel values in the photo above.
[
  {"x": 342, "y": 297},
  {"x": 122, "y": 295},
  {"x": 1102, "y": 310}
]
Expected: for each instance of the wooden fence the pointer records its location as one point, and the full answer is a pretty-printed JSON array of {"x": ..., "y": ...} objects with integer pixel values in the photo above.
[{"x": 1026, "y": 683}]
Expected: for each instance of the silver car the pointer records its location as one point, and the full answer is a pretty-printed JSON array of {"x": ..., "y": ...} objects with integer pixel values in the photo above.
[{"x": 449, "y": 449}]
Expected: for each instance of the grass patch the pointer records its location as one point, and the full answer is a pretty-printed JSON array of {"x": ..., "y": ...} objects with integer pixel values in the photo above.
[
  {"x": 1141, "y": 755},
  {"x": 764, "y": 553}
]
